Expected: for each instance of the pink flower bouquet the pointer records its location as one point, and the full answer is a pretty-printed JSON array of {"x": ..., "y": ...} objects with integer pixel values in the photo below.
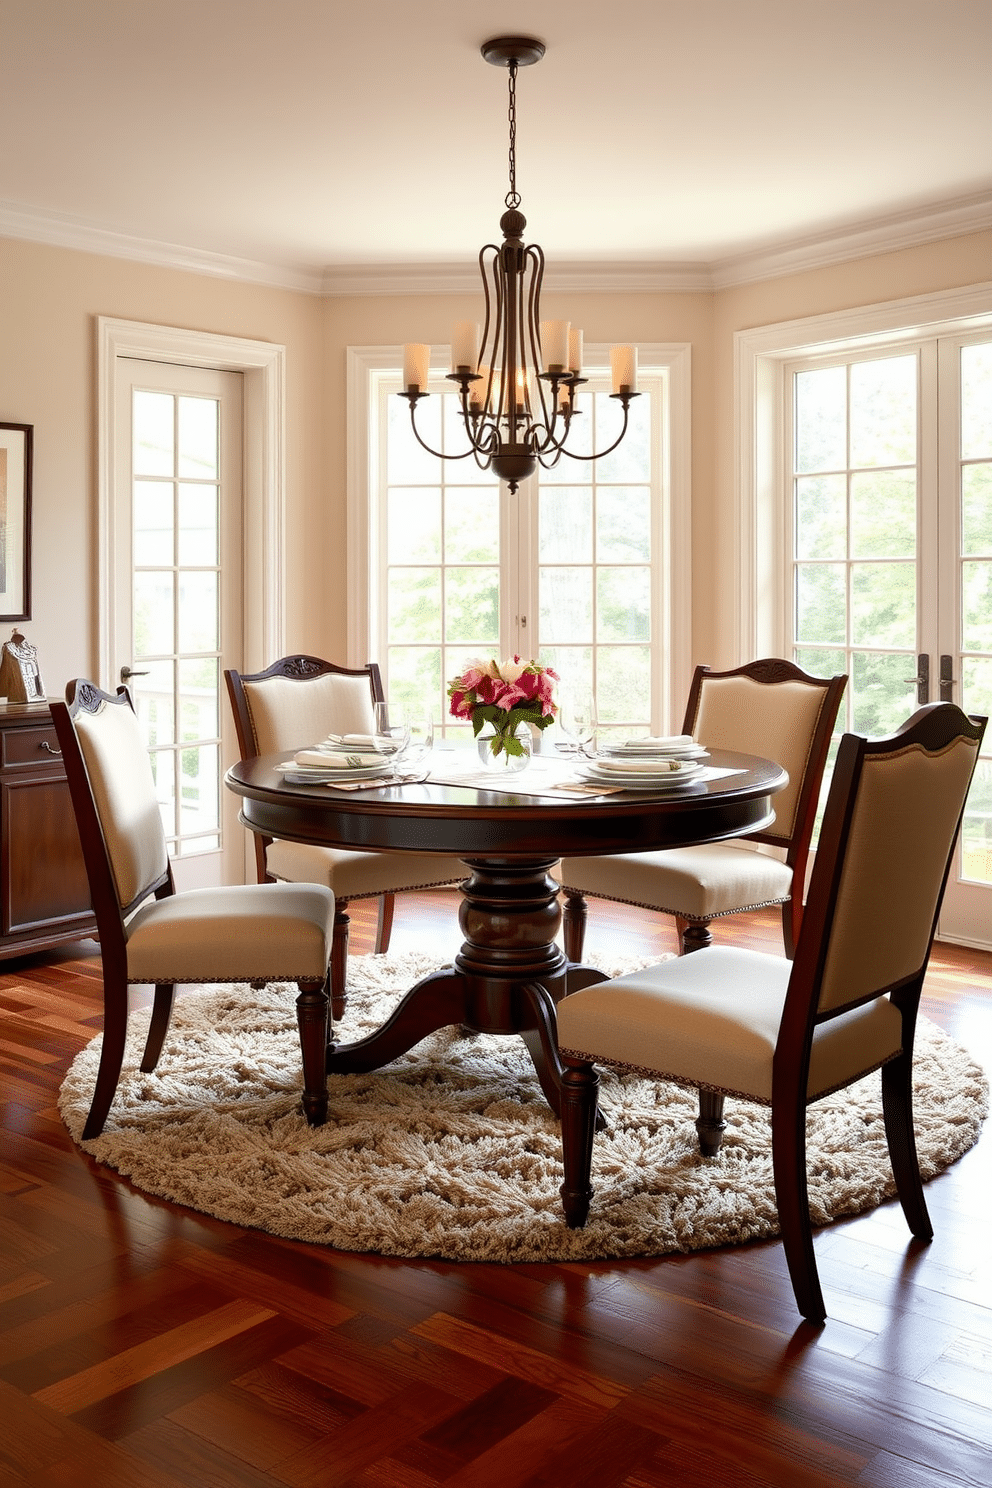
[{"x": 504, "y": 694}]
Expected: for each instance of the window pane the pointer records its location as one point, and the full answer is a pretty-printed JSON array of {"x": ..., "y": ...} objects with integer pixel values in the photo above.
[
  {"x": 197, "y": 526},
  {"x": 164, "y": 776},
  {"x": 414, "y": 604},
  {"x": 565, "y": 524},
  {"x": 881, "y": 697},
  {"x": 154, "y": 698},
  {"x": 471, "y": 597},
  {"x": 566, "y": 605},
  {"x": 623, "y": 524},
  {"x": 198, "y": 438},
  {"x": 976, "y": 688},
  {"x": 415, "y": 679},
  {"x": 883, "y": 412},
  {"x": 199, "y": 771},
  {"x": 573, "y": 665},
  {"x": 623, "y": 684},
  {"x": 976, "y": 510},
  {"x": 976, "y": 605},
  {"x": 153, "y": 614},
  {"x": 821, "y": 419},
  {"x": 821, "y": 608},
  {"x": 413, "y": 525},
  {"x": 631, "y": 460},
  {"x": 198, "y": 699},
  {"x": 821, "y": 663},
  {"x": 883, "y": 604},
  {"x": 471, "y": 525},
  {"x": 407, "y": 462},
  {"x": 198, "y": 618},
  {"x": 976, "y": 402},
  {"x": 623, "y": 609},
  {"x": 153, "y": 533},
  {"x": 152, "y": 433},
  {"x": 821, "y": 516},
  {"x": 883, "y": 514},
  {"x": 976, "y": 828}
]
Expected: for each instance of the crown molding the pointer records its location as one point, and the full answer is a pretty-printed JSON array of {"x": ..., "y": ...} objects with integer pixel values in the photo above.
[
  {"x": 863, "y": 240},
  {"x": 565, "y": 278},
  {"x": 950, "y": 219},
  {"x": 57, "y": 230}
]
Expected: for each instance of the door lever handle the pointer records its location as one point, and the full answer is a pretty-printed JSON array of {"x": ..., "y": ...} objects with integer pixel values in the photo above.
[
  {"x": 947, "y": 679},
  {"x": 922, "y": 679},
  {"x": 127, "y": 674}
]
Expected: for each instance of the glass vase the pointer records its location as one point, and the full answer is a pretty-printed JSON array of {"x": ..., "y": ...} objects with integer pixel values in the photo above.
[{"x": 495, "y": 756}]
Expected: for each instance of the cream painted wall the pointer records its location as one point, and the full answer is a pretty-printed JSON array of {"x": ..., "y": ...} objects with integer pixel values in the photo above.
[{"x": 49, "y": 301}]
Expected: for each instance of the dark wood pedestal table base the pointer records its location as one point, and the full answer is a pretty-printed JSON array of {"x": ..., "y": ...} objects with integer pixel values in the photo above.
[{"x": 510, "y": 971}]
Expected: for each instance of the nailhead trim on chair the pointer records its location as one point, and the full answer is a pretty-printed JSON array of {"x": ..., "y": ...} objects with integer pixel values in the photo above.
[{"x": 718, "y": 914}]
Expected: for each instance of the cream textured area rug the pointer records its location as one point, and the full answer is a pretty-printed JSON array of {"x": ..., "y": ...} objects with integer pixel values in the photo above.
[{"x": 452, "y": 1150}]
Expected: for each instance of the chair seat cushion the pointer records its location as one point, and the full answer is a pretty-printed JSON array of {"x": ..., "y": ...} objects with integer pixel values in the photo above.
[
  {"x": 349, "y": 875},
  {"x": 248, "y": 932},
  {"x": 699, "y": 882},
  {"x": 712, "y": 1019}
]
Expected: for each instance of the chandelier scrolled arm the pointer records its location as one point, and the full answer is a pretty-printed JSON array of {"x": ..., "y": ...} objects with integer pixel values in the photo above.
[{"x": 517, "y": 384}]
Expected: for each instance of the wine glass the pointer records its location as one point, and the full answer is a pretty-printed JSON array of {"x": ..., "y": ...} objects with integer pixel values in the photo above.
[
  {"x": 421, "y": 727},
  {"x": 392, "y": 731},
  {"x": 578, "y": 722}
]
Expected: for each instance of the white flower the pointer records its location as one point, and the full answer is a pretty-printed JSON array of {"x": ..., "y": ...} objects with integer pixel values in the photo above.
[{"x": 510, "y": 671}]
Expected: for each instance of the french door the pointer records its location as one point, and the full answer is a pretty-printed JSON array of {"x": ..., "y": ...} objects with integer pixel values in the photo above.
[
  {"x": 890, "y": 524},
  {"x": 179, "y": 611}
]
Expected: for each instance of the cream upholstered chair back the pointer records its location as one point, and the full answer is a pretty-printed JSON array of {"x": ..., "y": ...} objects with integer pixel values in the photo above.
[
  {"x": 123, "y": 791},
  {"x": 290, "y": 713},
  {"x": 899, "y": 839},
  {"x": 777, "y": 720}
]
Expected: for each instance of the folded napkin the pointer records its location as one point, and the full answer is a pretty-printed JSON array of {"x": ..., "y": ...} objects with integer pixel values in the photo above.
[
  {"x": 663, "y": 744},
  {"x": 324, "y": 759},
  {"x": 660, "y": 766},
  {"x": 349, "y": 742}
]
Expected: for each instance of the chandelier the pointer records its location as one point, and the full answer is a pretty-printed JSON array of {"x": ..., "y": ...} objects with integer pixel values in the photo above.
[{"x": 517, "y": 384}]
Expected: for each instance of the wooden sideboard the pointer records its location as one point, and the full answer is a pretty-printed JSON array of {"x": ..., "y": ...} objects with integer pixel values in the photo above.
[{"x": 44, "y": 895}]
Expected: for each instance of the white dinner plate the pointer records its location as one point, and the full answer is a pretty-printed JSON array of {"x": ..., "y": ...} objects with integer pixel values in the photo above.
[
  {"x": 683, "y": 752},
  {"x": 642, "y": 779},
  {"x": 319, "y": 774}
]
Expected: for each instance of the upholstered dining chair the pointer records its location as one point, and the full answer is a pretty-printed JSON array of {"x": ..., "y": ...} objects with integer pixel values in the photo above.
[
  {"x": 784, "y": 1034},
  {"x": 770, "y": 708},
  {"x": 151, "y": 934},
  {"x": 297, "y": 701}
]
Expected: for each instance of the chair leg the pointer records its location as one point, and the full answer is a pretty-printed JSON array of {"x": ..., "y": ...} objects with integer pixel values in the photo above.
[
  {"x": 384, "y": 924},
  {"x": 792, "y": 1199},
  {"x": 579, "y": 1084},
  {"x": 574, "y": 923},
  {"x": 311, "y": 1015},
  {"x": 710, "y": 1124},
  {"x": 339, "y": 958},
  {"x": 159, "y": 1025},
  {"x": 694, "y": 935},
  {"x": 111, "y": 1058},
  {"x": 897, "y": 1109}
]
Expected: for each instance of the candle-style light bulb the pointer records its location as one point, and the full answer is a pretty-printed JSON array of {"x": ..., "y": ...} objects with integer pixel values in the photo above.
[{"x": 416, "y": 367}]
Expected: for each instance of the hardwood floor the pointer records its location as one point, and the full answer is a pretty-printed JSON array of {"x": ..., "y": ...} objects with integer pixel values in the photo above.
[{"x": 143, "y": 1344}]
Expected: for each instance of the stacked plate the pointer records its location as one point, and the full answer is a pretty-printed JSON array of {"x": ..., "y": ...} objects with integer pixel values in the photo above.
[
  {"x": 647, "y": 764},
  {"x": 337, "y": 759}
]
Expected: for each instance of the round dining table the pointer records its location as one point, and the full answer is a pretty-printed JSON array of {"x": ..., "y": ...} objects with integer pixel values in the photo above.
[{"x": 510, "y": 971}]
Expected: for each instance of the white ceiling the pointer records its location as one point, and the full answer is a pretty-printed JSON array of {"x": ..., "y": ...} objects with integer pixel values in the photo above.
[{"x": 308, "y": 136}]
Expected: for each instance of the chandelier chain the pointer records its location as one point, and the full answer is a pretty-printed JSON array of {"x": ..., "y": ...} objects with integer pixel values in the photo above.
[{"x": 513, "y": 195}]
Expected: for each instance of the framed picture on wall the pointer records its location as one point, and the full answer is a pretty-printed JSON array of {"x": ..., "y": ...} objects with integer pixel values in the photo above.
[{"x": 16, "y": 449}]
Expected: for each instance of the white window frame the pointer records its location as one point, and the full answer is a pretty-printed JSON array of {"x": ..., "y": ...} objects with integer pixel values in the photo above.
[
  {"x": 762, "y": 554},
  {"x": 263, "y": 365},
  {"x": 369, "y": 365}
]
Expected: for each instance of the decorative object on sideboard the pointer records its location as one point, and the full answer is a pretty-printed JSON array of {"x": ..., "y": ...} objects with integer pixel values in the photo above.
[
  {"x": 517, "y": 384},
  {"x": 16, "y": 460},
  {"x": 20, "y": 676}
]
